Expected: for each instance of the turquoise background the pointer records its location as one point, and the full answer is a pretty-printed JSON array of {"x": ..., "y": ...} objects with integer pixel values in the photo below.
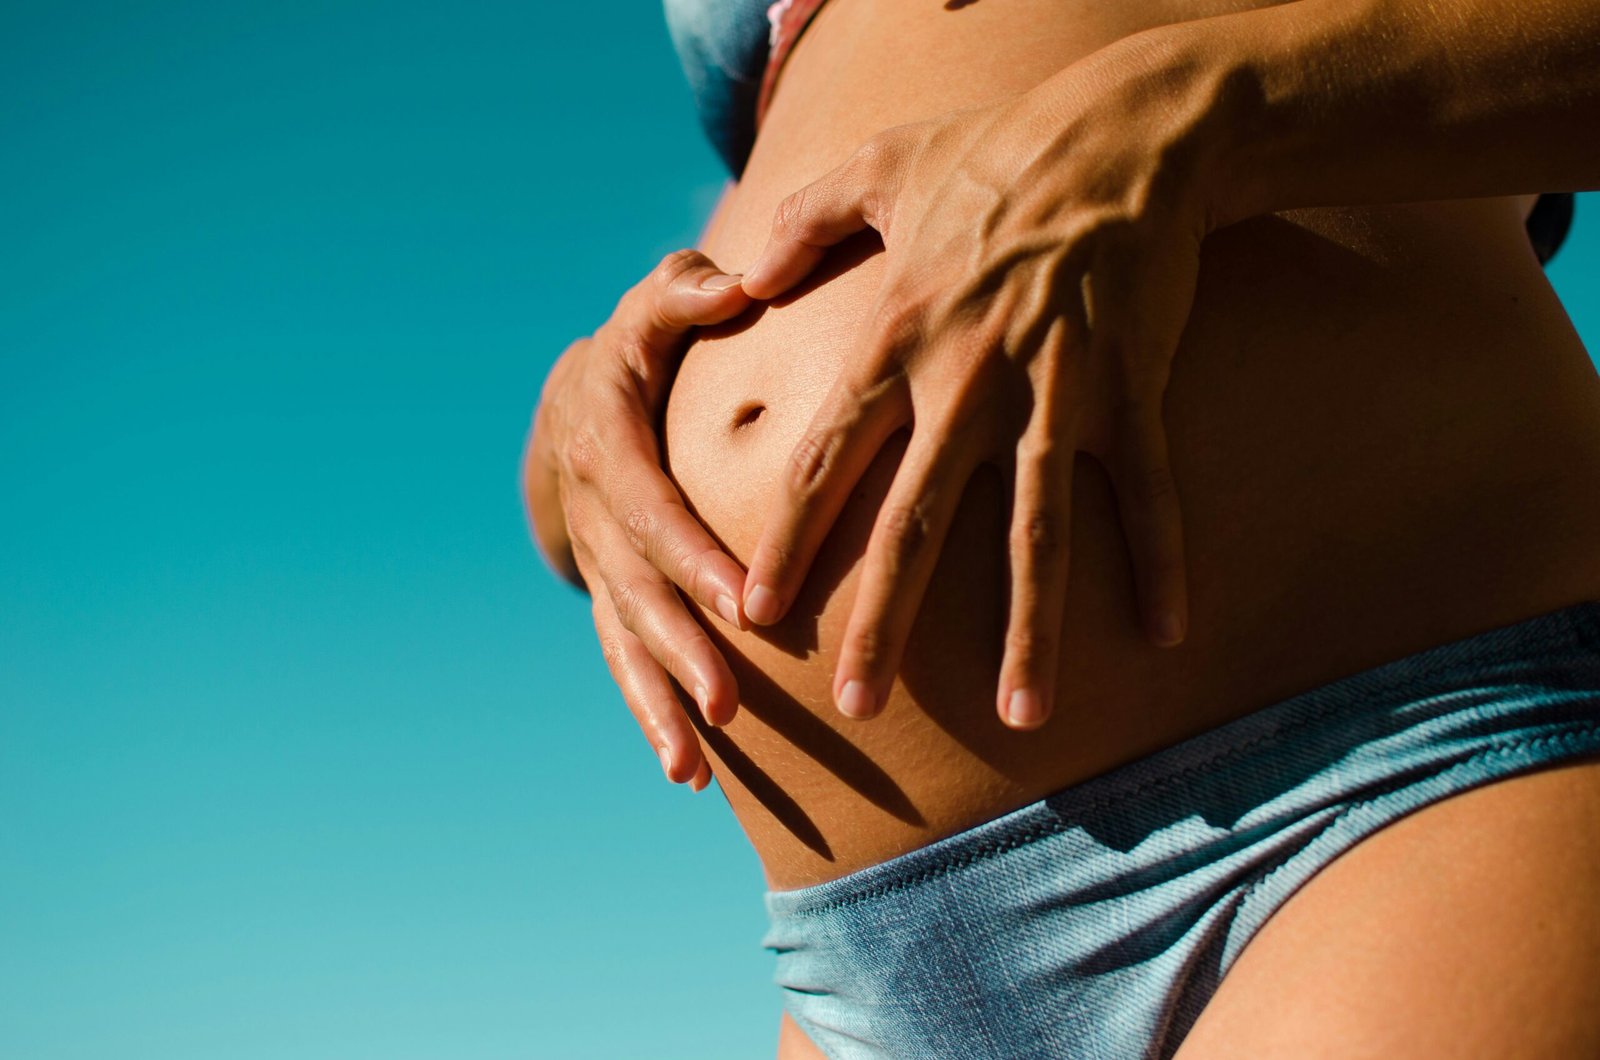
[{"x": 302, "y": 751}]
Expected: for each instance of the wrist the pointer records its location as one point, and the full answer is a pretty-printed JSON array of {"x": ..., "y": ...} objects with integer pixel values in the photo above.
[
  {"x": 1217, "y": 81},
  {"x": 1258, "y": 78},
  {"x": 1188, "y": 100}
]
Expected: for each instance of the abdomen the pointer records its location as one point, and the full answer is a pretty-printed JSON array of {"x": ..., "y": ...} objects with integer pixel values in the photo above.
[{"x": 1384, "y": 431}]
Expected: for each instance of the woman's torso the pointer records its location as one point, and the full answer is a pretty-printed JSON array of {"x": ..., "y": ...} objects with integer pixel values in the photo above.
[{"x": 1384, "y": 430}]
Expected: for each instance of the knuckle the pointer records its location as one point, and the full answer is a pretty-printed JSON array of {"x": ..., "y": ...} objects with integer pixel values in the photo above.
[
  {"x": 874, "y": 154},
  {"x": 639, "y": 338},
  {"x": 1165, "y": 571},
  {"x": 909, "y": 528},
  {"x": 789, "y": 219},
  {"x": 629, "y": 345},
  {"x": 778, "y": 557},
  {"x": 640, "y": 525},
  {"x": 573, "y": 350},
  {"x": 899, "y": 324},
  {"x": 584, "y": 454},
  {"x": 612, "y": 652},
  {"x": 810, "y": 463},
  {"x": 673, "y": 266},
  {"x": 628, "y": 597},
  {"x": 1038, "y": 537},
  {"x": 869, "y": 645},
  {"x": 1027, "y": 647},
  {"x": 1157, "y": 483},
  {"x": 979, "y": 343}
]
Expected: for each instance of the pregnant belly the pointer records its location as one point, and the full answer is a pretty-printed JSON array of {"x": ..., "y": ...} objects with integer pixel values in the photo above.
[{"x": 1384, "y": 433}]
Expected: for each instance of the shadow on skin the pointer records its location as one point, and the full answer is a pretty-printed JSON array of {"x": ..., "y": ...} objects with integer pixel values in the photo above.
[
  {"x": 766, "y": 701},
  {"x": 766, "y": 791},
  {"x": 953, "y": 680},
  {"x": 961, "y": 627},
  {"x": 951, "y": 668},
  {"x": 770, "y": 703},
  {"x": 952, "y": 661}
]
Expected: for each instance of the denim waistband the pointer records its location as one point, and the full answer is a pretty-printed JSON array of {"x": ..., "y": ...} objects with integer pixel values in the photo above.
[{"x": 1098, "y": 921}]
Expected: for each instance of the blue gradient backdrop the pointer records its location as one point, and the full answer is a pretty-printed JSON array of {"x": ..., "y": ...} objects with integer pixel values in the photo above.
[{"x": 302, "y": 752}]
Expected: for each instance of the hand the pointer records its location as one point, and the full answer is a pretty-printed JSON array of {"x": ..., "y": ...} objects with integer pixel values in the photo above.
[
  {"x": 1041, "y": 257},
  {"x": 603, "y": 509}
]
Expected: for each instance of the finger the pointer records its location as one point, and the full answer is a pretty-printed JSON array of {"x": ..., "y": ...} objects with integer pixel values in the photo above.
[
  {"x": 1039, "y": 547},
  {"x": 685, "y": 290},
  {"x": 1139, "y": 339},
  {"x": 1152, "y": 522},
  {"x": 844, "y": 436},
  {"x": 650, "y": 608},
  {"x": 847, "y": 199},
  {"x": 649, "y": 696},
  {"x": 901, "y": 555},
  {"x": 649, "y": 508},
  {"x": 702, "y": 777}
]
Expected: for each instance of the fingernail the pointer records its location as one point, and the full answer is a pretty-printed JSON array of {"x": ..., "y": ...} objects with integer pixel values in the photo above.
[
  {"x": 1169, "y": 629},
  {"x": 721, "y": 281},
  {"x": 761, "y": 606},
  {"x": 1025, "y": 709},
  {"x": 666, "y": 762},
  {"x": 702, "y": 696},
  {"x": 728, "y": 609},
  {"x": 697, "y": 785},
  {"x": 856, "y": 700}
]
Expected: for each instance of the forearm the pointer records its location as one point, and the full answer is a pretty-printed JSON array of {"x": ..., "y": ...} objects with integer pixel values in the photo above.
[{"x": 1333, "y": 102}]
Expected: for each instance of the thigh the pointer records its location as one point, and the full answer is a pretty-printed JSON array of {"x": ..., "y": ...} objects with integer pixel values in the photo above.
[
  {"x": 793, "y": 1043},
  {"x": 1466, "y": 929}
]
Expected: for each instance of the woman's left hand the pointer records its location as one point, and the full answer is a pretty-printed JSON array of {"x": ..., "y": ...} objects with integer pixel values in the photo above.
[{"x": 1041, "y": 264}]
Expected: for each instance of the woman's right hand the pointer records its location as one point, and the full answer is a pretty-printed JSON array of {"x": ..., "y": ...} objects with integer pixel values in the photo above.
[{"x": 603, "y": 511}]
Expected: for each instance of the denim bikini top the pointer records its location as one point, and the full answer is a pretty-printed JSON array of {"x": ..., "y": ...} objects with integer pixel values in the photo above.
[{"x": 723, "y": 45}]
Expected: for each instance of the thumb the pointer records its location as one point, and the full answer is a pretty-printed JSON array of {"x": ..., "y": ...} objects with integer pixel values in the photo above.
[{"x": 684, "y": 291}]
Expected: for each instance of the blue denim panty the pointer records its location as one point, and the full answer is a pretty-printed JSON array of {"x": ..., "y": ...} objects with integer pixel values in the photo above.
[{"x": 1097, "y": 923}]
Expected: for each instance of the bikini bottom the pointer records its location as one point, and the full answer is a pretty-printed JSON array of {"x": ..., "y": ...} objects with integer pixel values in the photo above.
[{"x": 1097, "y": 922}]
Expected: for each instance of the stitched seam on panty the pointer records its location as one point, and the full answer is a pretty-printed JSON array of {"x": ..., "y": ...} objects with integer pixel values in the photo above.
[
  {"x": 1188, "y": 772},
  {"x": 1010, "y": 843},
  {"x": 1558, "y": 635},
  {"x": 1313, "y": 716},
  {"x": 1569, "y": 736},
  {"x": 1562, "y": 634}
]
